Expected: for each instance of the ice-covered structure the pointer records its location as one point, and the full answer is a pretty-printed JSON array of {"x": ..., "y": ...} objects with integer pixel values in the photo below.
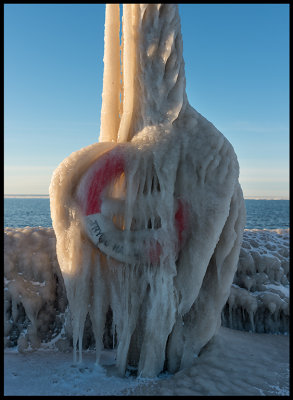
[{"x": 148, "y": 221}]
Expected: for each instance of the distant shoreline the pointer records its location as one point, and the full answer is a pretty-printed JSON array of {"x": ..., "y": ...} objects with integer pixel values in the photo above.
[
  {"x": 266, "y": 198},
  {"x": 26, "y": 196},
  {"x": 46, "y": 196}
]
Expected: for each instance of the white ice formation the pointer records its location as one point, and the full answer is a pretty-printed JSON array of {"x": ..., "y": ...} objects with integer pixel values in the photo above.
[
  {"x": 259, "y": 298},
  {"x": 34, "y": 292},
  {"x": 148, "y": 221},
  {"x": 36, "y": 307}
]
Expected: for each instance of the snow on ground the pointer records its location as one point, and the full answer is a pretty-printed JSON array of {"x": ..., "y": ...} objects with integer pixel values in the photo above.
[{"x": 234, "y": 363}]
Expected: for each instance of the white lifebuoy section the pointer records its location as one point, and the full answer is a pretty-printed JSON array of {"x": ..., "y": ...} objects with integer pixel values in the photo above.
[{"x": 98, "y": 208}]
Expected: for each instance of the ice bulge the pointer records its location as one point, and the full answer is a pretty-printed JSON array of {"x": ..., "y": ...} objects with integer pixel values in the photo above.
[{"x": 149, "y": 220}]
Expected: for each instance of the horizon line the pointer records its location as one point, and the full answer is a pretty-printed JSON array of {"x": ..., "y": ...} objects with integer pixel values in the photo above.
[{"x": 47, "y": 196}]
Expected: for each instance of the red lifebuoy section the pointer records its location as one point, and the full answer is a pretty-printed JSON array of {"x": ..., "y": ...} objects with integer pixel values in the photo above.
[
  {"x": 124, "y": 246},
  {"x": 111, "y": 168}
]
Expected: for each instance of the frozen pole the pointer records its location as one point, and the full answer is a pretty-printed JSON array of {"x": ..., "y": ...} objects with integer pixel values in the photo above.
[
  {"x": 111, "y": 79},
  {"x": 130, "y": 21}
]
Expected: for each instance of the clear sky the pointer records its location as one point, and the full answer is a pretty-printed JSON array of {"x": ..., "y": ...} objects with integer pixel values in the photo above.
[{"x": 237, "y": 76}]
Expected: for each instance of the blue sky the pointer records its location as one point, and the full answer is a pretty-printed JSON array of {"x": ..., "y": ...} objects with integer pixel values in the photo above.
[{"x": 237, "y": 76}]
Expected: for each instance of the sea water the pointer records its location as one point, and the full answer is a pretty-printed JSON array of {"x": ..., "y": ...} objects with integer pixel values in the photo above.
[
  {"x": 21, "y": 212},
  {"x": 261, "y": 214}
]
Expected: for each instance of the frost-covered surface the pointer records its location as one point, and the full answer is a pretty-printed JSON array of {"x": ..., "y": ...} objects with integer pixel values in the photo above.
[
  {"x": 156, "y": 235},
  {"x": 234, "y": 363},
  {"x": 259, "y": 298}
]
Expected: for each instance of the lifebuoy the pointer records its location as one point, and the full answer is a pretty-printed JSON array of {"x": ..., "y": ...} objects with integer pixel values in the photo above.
[{"x": 122, "y": 245}]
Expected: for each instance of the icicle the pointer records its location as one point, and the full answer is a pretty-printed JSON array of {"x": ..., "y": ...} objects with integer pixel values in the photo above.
[
  {"x": 251, "y": 318},
  {"x": 230, "y": 314},
  {"x": 80, "y": 343}
]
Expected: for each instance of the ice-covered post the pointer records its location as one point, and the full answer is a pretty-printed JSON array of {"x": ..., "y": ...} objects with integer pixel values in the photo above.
[
  {"x": 112, "y": 76},
  {"x": 149, "y": 221}
]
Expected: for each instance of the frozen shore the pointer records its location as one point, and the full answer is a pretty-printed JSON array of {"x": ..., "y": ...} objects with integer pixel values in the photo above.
[{"x": 233, "y": 363}]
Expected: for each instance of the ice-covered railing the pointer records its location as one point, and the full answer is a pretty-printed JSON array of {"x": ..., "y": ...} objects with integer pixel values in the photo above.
[{"x": 35, "y": 301}]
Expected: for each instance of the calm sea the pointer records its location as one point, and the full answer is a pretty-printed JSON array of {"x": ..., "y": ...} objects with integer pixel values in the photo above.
[{"x": 261, "y": 214}]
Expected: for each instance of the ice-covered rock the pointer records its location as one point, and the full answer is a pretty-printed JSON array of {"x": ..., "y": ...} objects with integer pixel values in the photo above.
[
  {"x": 34, "y": 293},
  {"x": 259, "y": 298}
]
